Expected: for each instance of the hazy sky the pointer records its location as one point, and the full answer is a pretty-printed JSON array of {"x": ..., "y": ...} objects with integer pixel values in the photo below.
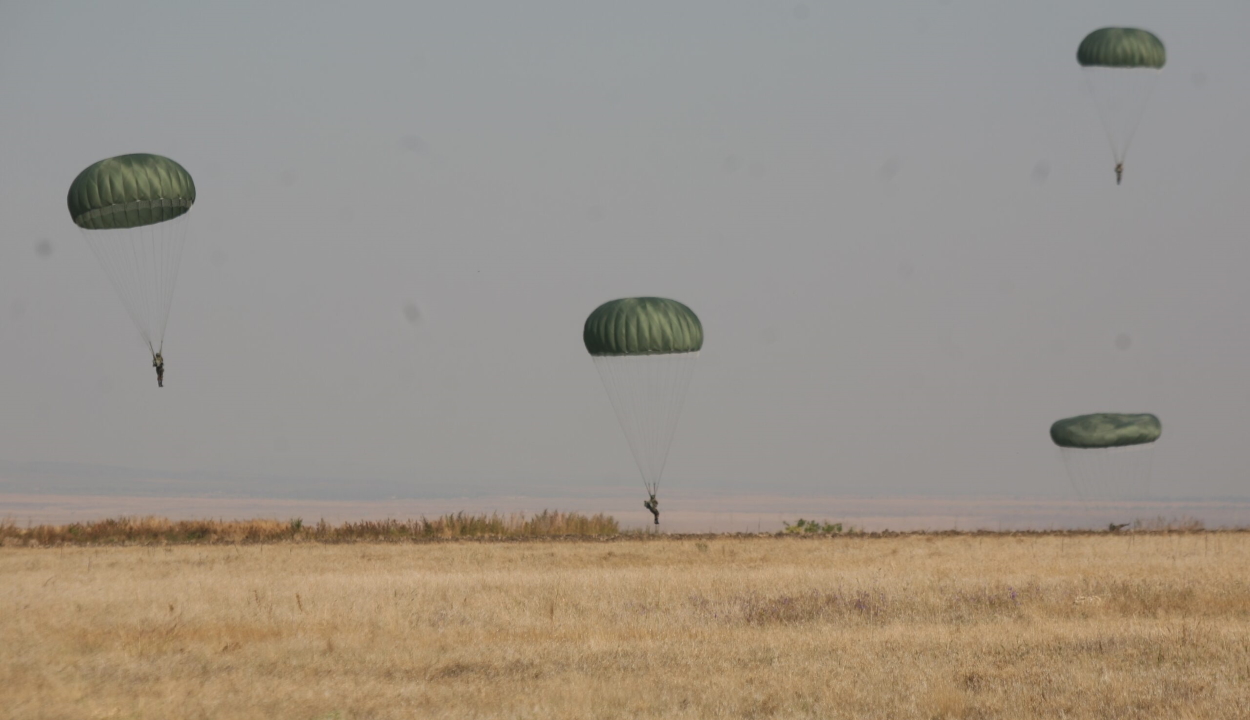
[{"x": 898, "y": 222}]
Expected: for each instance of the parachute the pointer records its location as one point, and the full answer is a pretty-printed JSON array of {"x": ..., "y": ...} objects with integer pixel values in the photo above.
[
  {"x": 1108, "y": 455},
  {"x": 1121, "y": 67},
  {"x": 132, "y": 212},
  {"x": 645, "y": 349}
]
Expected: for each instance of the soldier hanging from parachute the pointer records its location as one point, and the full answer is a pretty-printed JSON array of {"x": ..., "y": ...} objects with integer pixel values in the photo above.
[
  {"x": 1122, "y": 66},
  {"x": 131, "y": 211},
  {"x": 644, "y": 349}
]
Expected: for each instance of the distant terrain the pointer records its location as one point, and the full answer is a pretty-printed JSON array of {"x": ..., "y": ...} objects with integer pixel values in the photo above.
[{"x": 684, "y": 511}]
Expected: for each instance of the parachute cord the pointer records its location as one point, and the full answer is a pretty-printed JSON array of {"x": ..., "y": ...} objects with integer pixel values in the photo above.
[
  {"x": 1154, "y": 82},
  {"x": 1104, "y": 478},
  {"x": 1106, "y": 124},
  {"x": 1150, "y": 466},
  {"x": 1118, "y": 155},
  {"x": 175, "y": 264},
  {"x": 143, "y": 265},
  {"x": 138, "y": 259},
  {"x": 120, "y": 276},
  {"x": 647, "y": 394}
]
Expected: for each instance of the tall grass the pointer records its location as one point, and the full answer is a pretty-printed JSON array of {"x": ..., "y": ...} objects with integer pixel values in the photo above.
[
  {"x": 1121, "y": 626},
  {"x": 162, "y": 531}
]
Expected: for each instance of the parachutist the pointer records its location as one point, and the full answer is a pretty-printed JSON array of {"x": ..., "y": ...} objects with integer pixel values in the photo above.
[
  {"x": 654, "y": 506},
  {"x": 128, "y": 208},
  {"x": 646, "y": 373},
  {"x": 1121, "y": 66}
]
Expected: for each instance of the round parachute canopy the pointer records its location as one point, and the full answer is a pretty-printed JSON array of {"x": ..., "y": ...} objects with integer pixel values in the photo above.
[
  {"x": 1121, "y": 48},
  {"x": 642, "y": 326},
  {"x": 1106, "y": 430},
  {"x": 132, "y": 211},
  {"x": 130, "y": 191}
]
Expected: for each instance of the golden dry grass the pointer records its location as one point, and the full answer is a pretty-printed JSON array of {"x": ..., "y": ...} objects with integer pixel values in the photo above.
[{"x": 1093, "y": 626}]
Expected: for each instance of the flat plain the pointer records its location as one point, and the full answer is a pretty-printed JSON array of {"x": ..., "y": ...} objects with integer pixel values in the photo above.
[{"x": 1141, "y": 625}]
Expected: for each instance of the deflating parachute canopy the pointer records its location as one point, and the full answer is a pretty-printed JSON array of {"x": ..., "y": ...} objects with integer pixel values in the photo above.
[
  {"x": 1121, "y": 66},
  {"x": 1108, "y": 455},
  {"x": 644, "y": 349},
  {"x": 131, "y": 209},
  {"x": 1106, "y": 430}
]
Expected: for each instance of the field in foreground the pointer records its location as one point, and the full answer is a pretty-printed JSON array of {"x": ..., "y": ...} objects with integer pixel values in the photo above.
[{"x": 980, "y": 626}]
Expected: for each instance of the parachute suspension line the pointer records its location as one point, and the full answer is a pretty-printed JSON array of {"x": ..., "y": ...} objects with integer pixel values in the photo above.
[
  {"x": 1121, "y": 96},
  {"x": 1118, "y": 473},
  {"x": 171, "y": 262},
  {"x": 1102, "y": 117},
  {"x": 1150, "y": 91},
  {"x": 643, "y": 395},
  {"x": 141, "y": 252},
  {"x": 120, "y": 274},
  {"x": 647, "y": 392},
  {"x": 142, "y": 264}
]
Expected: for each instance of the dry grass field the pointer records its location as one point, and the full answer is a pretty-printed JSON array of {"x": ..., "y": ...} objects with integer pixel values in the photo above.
[{"x": 914, "y": 626}]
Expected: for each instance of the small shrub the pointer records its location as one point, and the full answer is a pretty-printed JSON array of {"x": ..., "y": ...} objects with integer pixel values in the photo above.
[
  {"x": 1175, "y": 524},
  {"x": 812, "y": 527}
]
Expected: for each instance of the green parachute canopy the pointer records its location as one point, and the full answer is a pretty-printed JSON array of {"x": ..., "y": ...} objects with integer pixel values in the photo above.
[
  {"x": 130, "y": 191},
  {"x": 642, "y": 326},
  {"x": 1121, "y": 48},
  {"x": 1105, "y": 430}
]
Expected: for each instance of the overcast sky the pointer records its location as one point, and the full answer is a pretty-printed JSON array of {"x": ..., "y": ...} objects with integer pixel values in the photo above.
[{"x": 898, "y": 222}]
